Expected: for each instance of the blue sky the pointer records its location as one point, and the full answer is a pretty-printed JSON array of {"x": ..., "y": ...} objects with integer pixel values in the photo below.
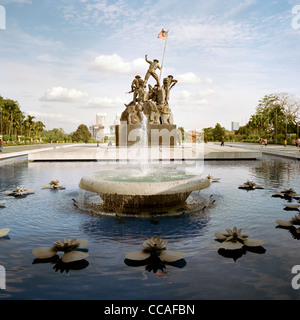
[{"x": 64, "y": 61}]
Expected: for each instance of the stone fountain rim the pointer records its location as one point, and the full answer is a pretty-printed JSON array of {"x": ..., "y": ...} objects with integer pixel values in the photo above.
[{"x": 130, "y": 188}]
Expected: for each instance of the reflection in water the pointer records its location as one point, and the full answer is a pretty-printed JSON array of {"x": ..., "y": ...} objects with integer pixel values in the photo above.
[
  {"x": 236, "y": 254},
  {"x": 59, "y": 265},
  {"x": 276, "y": 171},
  {"x": 186, "y": 221},
  {"x": 127, "y": 228},
  {"x": 295, "y": 232},
  {"x": 154, "y": 263}
]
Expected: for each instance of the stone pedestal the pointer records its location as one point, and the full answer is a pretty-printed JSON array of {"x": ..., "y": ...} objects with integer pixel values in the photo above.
[{"x": 158, "y": 134}]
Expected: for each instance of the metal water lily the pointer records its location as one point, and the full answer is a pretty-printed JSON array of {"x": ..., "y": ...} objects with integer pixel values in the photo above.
[
  {"x": 4, "y": 232},
  {"x": 287, "y": 193},
  {"x": 19, "y": 191},
  {"x": 250, "y": 185},
  {"x": 234, "y": 239},
  {"x": 54, "y": 185},
  {"x": 155, "y": 247},
  {"x": 70, "y": 248},
  {"x": 294, "y": 222}
]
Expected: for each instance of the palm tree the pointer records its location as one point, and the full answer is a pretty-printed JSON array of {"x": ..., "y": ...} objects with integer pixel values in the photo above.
[
  {"x": 29, "y": 124},
  {"x": 39, "y": 128}
]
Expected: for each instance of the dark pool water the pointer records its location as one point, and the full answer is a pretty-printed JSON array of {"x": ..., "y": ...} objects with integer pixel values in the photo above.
[{"x": 47, "y": 216}]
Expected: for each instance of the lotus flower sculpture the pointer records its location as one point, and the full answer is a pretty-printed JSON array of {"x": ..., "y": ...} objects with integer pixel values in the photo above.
[
  {"x": 294, "y": 207},
  {"x": 155, "y": 247},
  {"x": 295, "y": 221},
  {"x": 19, "y": 191},
  {"x": 54, "y": 185},
  {"x": 70, "y": 247},
  {"x": 234, "y": 239},
  {"x": 250, "y": 185},
  {"x": 287, "y": 194},
  {"x": 4, "y": 232}
]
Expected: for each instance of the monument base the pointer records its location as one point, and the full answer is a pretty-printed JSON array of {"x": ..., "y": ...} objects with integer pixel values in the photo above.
[{"x": 158, "y": 135}]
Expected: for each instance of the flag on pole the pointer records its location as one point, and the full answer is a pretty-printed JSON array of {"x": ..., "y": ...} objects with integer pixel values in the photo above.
[{"x": 163, "y": 35}]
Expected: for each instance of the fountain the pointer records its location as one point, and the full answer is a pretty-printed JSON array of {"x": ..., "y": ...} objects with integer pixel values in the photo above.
[{"x": 147, "y": 124}]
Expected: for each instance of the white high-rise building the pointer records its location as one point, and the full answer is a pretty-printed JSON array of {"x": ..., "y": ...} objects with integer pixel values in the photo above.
[
  {"x": 117, "y": 120},
  {"x": 235, "y": 126},
  {"x": 102, "y": 122}
]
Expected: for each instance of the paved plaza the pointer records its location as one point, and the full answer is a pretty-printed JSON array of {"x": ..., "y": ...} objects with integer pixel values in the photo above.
[{"x": 92, "y": 152}]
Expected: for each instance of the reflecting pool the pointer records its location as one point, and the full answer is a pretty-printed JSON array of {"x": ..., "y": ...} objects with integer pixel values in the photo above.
[{"x": 46, "y": 216}]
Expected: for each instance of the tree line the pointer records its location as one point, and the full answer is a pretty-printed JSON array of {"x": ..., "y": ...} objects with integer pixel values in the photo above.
[
  {"x": 276, "y": 118},
  {"x": 16, "y": 127}
]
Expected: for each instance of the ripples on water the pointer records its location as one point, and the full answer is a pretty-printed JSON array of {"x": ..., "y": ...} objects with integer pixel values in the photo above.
[{"x": 47, "y": 216}]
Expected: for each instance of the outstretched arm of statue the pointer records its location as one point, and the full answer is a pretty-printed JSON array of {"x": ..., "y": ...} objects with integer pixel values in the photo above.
[
  {"x": 173, "y": 83},
  {"x": 146, "y": 58}
]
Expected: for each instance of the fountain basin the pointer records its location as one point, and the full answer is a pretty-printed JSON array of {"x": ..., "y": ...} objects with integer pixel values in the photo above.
[{"x": 131, "y": 189}]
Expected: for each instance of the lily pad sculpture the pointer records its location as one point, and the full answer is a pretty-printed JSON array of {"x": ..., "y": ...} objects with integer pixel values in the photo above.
[
  {"x": 294, "y": 207},
  {"x": 155, "y": 247},
  {"x": 19, "y": 191},
  {"x": 287, "y": 194},
  {"x": 235, "y": 240},
  {"x": 70, "y": 247},
  {"x": 294, "y": 222},
  {"x": 4, "y": 232},
  {"x": 250, "y": 185},
  {"x": 54, "y": 185}
]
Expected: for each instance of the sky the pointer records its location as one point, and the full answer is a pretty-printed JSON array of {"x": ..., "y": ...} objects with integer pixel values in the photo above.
[{"x": 64, "y": 61}]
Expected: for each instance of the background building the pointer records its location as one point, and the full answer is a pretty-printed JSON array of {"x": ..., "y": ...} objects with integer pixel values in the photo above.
[{"x": 235, "y": 126}]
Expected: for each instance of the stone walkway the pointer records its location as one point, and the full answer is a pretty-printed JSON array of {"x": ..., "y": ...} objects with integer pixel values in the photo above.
[
  {"x": 90, "y": 152},
  {"x": 278, "y": 150}
]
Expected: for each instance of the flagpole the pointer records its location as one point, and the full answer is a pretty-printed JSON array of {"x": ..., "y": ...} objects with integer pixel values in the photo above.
[{"x": 163, "y": 56}]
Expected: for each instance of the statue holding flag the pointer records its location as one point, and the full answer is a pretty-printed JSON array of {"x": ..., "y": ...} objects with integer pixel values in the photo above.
[
  {"x": 153, "y": 65},
  {"x": 151, "y": 102}
]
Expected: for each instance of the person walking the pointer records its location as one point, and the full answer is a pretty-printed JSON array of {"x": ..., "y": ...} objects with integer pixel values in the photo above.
[
  {"x": 222, "y": 142},
  {"x": 266, "y": 142},
  {"x": 1, "y": 145}
]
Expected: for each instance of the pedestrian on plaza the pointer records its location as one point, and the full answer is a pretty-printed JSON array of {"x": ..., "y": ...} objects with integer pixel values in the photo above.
[
  {"x": 266, "y": 142},
  {"x": 260, "y": 140},
  {"x": 1, "y": 145},
  {"x": 222, "y": 142},
  {"x": 285, "y": 142}
]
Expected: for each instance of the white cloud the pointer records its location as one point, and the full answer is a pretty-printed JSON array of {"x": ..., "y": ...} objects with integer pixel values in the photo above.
[
  {"x": 191, "y": 78},
  {"x": 195, "y": 100},
  {"x": 54, "y": 117},
  {"x": 115, "y": 64},
  {"x": 64, "y": 95},
  {"x": 103, "y": 102}
]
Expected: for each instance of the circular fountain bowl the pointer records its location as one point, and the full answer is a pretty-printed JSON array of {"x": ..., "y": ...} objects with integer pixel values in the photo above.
[{"x": 131, "y": 189}]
